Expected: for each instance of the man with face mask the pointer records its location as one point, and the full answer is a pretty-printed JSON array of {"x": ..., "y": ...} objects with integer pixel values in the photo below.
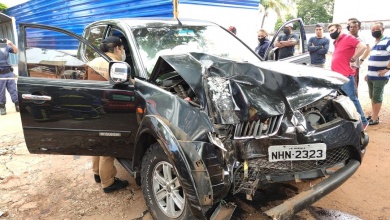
[
  {"x": 347, "y": 49},
  {"x": 98, "y": 68},
  {"x": 262, "y": 37},
  {"x": 286, "y": 42},
  {"x": 103, "y": 167},
  {"x": 378, "y": 73}
]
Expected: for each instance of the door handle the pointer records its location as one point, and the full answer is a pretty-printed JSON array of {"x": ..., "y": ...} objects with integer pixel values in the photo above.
[{"x": 36, "y": 97}]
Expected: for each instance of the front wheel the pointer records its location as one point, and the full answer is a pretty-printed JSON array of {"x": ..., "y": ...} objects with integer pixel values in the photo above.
[{"x": 162, "y": 190}]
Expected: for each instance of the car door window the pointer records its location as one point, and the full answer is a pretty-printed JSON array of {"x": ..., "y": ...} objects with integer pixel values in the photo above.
[
  {"x": 115, "y": 31},
  {"x": 52, "y": 54},
  {"x": 95, "y": 36}
]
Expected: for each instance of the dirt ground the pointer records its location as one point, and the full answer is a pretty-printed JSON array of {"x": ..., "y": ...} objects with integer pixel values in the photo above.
[{"x": 62, "y": 187}]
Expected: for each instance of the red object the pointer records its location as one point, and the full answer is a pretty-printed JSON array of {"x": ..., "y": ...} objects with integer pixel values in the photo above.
[
  {"x": 345, "y": 47},
  {"x": 232, "y": 29}
]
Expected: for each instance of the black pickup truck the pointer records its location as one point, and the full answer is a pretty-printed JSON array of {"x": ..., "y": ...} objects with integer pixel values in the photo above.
[{"x": 192, "y": 113}]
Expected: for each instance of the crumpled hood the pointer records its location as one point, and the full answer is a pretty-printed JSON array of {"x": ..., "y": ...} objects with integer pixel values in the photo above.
[{"x": 263, "y": 90}]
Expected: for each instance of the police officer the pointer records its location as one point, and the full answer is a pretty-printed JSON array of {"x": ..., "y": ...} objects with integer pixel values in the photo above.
[{"x": 7, "y": 77}]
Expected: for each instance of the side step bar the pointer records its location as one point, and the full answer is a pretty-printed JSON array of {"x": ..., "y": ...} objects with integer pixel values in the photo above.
[{"x": 126, "y": 163}]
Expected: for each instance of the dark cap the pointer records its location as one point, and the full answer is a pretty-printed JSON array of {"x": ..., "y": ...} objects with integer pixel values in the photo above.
[{"x": 112, "y": 39}]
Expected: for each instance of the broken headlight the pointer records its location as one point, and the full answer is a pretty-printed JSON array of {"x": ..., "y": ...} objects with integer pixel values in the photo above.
[{"x": 345, "y": 108}]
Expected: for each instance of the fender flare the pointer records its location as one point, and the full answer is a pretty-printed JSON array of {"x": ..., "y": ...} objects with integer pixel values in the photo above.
[{"x": 185, "y": 158}]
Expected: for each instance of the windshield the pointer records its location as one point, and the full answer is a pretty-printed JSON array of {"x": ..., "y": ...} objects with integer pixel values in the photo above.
[{"x": 156, "y": 41}]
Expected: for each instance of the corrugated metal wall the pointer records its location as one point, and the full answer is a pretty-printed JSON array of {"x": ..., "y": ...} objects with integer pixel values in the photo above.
[
  {"x": 74, "y": 15},
  {"x": 225, "y": 3}
]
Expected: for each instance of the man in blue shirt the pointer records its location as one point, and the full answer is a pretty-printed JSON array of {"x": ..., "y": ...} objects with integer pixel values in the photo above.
[
  {"x": 318, "y": 47},
  {"x": 7, "y": 77}
]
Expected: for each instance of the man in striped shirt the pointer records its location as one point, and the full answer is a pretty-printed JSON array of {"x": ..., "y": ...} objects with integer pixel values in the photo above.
[{"x": 378, "y": 73}]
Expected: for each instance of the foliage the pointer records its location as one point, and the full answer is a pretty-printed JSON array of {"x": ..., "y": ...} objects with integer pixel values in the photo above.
[
  {"x": 315, "y": 11},
  {"x": 278, "y": 6},
  {"x": 280, "y": 22},
  {"x": 3, "y": 7}
]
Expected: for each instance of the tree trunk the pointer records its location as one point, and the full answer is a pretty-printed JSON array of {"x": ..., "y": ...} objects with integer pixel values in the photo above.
[{"x": 262, "y": 22}]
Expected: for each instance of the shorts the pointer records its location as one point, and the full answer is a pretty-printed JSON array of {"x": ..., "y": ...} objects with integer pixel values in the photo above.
[{"x": 375, "y": 89}]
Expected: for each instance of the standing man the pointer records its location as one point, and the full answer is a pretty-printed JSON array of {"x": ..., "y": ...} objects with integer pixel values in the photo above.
[
  {"x": 318, "y": 47},
  {"x": 354, "y": 27},
  {"x": 378, "y": 73},
  {"x": 262, "y": 37},
  {"x": 347, "y": 49},
  {"x": 286, "y": 42},
  {"x": 7, "y": 77}
]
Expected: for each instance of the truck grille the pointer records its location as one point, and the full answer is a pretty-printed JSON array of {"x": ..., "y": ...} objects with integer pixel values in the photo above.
[
  {"x": 257, "y": 129},
  {"x": 259, "y": 168}
]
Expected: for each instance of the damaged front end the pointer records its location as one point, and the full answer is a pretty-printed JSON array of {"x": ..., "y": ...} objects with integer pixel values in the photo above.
[{"x": 271, "y": 123}]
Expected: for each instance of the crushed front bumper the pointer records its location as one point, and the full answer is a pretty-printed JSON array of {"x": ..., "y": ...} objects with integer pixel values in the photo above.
[{"x": 299, "y": 202}]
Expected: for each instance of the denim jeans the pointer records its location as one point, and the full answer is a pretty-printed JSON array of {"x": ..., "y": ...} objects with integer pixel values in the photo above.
[{"x": 349, "y": 89}]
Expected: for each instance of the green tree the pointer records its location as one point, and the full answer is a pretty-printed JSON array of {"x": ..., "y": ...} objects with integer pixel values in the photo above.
[
  {"x": 3, "y": 7},
  {"x": 281, "y": 21},
  {"x": 278, "y": 6},
  {"x": 315, "y": 11}
]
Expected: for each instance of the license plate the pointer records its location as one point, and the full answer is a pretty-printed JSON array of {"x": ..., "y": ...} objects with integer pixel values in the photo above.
[{"x": 297, "y": 152}]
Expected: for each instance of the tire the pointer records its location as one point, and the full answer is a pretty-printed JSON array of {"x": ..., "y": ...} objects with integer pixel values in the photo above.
[{"x": 159, "y": 177}]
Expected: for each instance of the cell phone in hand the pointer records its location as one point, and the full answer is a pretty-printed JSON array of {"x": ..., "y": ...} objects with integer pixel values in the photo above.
[{"x": 3, "y": 43}]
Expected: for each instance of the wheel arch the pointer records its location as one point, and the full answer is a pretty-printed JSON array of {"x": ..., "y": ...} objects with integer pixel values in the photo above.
[{"x": 198, "y": 191}]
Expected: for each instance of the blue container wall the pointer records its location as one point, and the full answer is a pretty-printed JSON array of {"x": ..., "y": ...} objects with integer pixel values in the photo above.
[
  {"x": 225, "y": 3},
  {"x": 74, "y": 15}
]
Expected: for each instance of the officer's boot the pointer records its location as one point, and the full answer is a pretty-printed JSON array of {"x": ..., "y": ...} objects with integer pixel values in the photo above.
[
  {"x": 2, "y": 109},
  {"x": 17, "y": 106}
]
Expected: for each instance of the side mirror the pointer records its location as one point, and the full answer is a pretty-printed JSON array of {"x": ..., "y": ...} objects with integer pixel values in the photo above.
[
  {"x": 119, "y": 72},
  {"x": 272, "y": 54}
]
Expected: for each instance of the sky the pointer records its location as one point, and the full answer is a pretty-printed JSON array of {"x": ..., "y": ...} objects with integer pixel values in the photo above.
[{"x": 11, "y": 3}]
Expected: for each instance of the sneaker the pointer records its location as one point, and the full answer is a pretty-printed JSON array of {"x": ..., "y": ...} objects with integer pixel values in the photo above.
[
  {"x": 368, "y": 118},
  {"x": 17, "y": 107},
  {"x": 2, "y": 111},
  {"x": 365, "y": 126},
  {"x": 118, "y": 184},
  {"x": 97, "y": 178}
]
